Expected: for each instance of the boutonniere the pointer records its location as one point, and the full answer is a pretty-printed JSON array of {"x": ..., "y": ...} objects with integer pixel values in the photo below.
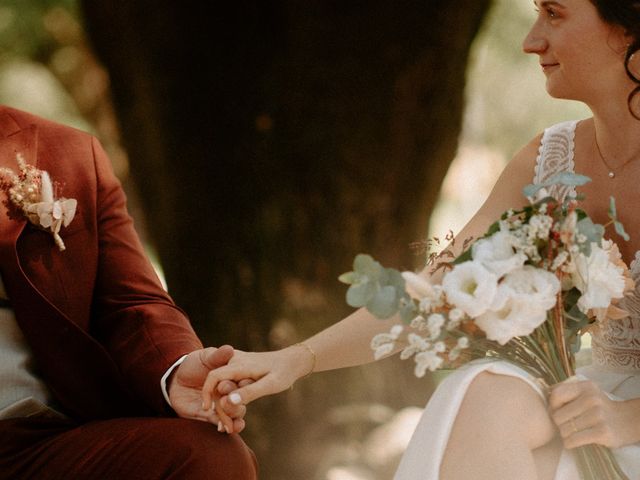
[{"x": 31, "y": 192}]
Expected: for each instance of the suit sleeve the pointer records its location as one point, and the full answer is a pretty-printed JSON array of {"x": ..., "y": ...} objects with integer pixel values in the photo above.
[{"x": 134, "y": 317}]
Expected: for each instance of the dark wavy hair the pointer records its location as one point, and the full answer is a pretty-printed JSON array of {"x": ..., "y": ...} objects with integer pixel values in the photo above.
[{"x": 625, "y": 13}]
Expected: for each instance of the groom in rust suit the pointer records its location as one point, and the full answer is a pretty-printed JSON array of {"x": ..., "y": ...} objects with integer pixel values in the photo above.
[{"x": 91, "y": 384}]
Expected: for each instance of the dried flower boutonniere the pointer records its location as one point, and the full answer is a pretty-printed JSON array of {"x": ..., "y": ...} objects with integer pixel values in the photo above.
[{"x": 32, "y": 193}]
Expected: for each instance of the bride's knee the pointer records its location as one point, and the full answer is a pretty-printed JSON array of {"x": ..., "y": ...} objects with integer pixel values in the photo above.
[{"x": 508, "y": 404}]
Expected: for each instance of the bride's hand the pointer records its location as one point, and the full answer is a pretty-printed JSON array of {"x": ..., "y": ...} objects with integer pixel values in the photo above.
[
  {"x": 272, "y": 372},
  {"x": 584, "y": 414}
]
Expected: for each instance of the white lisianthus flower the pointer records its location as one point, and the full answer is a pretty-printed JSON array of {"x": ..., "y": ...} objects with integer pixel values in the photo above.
[
  {"x": 428, "y": 360},
  {"x": 598, "y": 279},
  {"x": 497, "y": 254},
  {"x": 520, "y": 305},
  {"x": 515, "y": 318},
  {"x": 470, "y": 287},
  {"x": 534, "y": 284}
]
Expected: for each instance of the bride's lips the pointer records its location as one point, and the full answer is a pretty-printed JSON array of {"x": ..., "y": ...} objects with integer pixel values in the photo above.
[{"x": 548, "y": 66}]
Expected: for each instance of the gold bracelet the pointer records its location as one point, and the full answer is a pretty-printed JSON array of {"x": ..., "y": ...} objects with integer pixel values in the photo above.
[{"x": 313, "y": 356}]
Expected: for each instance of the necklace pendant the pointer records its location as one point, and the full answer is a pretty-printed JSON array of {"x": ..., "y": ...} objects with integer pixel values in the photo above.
[{"x": 611, "y": 174}]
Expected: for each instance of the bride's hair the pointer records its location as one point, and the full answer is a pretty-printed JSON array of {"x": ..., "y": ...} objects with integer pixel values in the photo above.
[{"x": 625, "y": 13}]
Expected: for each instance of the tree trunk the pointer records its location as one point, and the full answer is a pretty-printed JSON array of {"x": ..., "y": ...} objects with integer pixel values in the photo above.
[{"x": 273, "y": 141}]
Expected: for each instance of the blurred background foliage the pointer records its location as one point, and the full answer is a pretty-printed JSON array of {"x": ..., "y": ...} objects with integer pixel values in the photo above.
[{"x": 48, "y": 67}]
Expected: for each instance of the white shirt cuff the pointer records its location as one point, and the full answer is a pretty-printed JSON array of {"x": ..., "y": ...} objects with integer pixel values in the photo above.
[{"x": 163, "y": 380}]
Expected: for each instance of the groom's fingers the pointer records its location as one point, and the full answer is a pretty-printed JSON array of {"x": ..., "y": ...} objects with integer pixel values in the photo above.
[{"x": 213, "y": 358}]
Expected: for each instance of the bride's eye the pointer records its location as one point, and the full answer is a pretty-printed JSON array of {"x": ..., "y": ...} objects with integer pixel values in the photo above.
[{"x": 549, "y": 12}]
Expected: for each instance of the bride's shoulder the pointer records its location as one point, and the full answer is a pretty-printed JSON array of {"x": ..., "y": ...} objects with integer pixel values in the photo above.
[{"x": 525, "y": 159}]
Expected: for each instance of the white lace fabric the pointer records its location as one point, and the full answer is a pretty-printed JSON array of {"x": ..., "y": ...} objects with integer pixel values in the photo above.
[{"x": 615, "y": 344}]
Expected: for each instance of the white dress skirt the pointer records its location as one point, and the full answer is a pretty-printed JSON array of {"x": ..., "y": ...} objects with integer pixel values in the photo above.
[{"x": 424, "y": 454}]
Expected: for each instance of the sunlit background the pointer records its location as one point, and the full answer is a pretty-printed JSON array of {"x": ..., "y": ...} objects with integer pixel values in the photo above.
[{"x": 47, "y": 68}]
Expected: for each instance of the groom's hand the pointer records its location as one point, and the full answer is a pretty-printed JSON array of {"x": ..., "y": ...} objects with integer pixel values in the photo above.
[{"x": 185, "y": 389}]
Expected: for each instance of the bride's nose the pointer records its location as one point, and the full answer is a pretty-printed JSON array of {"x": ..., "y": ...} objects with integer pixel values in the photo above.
[{"x": 534, "y": 42}]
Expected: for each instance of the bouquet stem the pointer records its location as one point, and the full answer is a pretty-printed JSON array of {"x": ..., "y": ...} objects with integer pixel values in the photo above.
[
  {"x": 558, "y": 326},
  {"x": 598, "y": 463}
]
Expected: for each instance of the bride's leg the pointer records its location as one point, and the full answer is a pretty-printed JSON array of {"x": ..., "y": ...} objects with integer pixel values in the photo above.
[{"x": 502, "y": 430}]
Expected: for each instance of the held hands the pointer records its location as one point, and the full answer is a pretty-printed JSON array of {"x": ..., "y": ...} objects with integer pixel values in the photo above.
[
  {"x": 273, "y": 372},
  {"x": 584, "y": 414},
  {"x": 185, "y": 389}
]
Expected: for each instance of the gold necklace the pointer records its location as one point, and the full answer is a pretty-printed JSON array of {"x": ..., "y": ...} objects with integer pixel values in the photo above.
[{"x": 611, "y": 173}]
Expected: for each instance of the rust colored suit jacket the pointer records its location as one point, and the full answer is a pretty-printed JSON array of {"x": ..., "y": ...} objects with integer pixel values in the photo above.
[{"x": 102, "y": 329}]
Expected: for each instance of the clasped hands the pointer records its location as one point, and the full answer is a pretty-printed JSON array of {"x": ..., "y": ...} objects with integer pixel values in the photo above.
[
  {"x": 215, "y": 385},
  {"x": 584, "y": 415},
  {"x": 185, "y": 390}
]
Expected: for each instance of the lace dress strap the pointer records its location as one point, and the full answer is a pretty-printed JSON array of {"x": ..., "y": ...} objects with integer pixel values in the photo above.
[{"x": 555, "y": 155}]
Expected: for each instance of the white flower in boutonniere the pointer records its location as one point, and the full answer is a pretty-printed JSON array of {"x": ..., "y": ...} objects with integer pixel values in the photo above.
[{"x": 32, "y": 193}]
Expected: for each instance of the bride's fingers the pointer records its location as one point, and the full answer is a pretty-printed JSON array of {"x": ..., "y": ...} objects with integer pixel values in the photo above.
[
  {"x": 566, "y": 392},
  {"x": 228, "y": 372},
  {"x": 574, "y": 408},
  {"x": 255, "y": 390}
]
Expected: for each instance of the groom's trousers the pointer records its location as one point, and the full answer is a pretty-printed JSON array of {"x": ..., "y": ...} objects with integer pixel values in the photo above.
[{"x": 121, "y": 449}]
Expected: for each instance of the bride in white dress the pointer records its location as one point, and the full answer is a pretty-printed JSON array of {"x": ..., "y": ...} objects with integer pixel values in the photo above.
[{"x": 489, "y": 419}]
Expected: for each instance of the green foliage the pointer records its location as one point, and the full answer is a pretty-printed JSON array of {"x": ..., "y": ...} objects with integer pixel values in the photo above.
[
  {"x": 23, "y": 31},
  {"x": 563, "y": 178},
  {"x": 381, "y": 290},
  {"x": 593, "y": 233},
  {"x": 613, "y": 215}
]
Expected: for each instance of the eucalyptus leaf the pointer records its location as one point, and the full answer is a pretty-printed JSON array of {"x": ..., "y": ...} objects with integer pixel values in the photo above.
[
  {"x": 408, "y": 311},
  {"x": 613, "y": 215},
  {"x": 360, "y": 294},
  {"x": 367, "y": 266},
  {"x": 395, "y": 279},
  {"x": 562, "y": 178},
  {"x": 349, "y": 278},
  {"x": 620, "y": 230},
  {"x": 593, "y": 231},
  {"x": 384, "y": 303}
]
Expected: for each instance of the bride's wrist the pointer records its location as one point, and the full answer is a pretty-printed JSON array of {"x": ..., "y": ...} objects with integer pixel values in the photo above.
[{"x": 305, "y": 359}]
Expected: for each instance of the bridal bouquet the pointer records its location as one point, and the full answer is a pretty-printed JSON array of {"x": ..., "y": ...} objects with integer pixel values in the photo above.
[{"x": 525, "y": 292}]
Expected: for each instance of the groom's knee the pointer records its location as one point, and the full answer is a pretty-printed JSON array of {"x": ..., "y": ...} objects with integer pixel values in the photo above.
[{"x": 204, "y": 453}]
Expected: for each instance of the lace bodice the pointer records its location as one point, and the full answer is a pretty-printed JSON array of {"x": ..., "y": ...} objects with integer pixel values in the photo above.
[{"x": 615, "y": 344}]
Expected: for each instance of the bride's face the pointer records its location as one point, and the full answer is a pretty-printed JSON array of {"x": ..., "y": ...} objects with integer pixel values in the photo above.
[{"x": 581, "y": 55}]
